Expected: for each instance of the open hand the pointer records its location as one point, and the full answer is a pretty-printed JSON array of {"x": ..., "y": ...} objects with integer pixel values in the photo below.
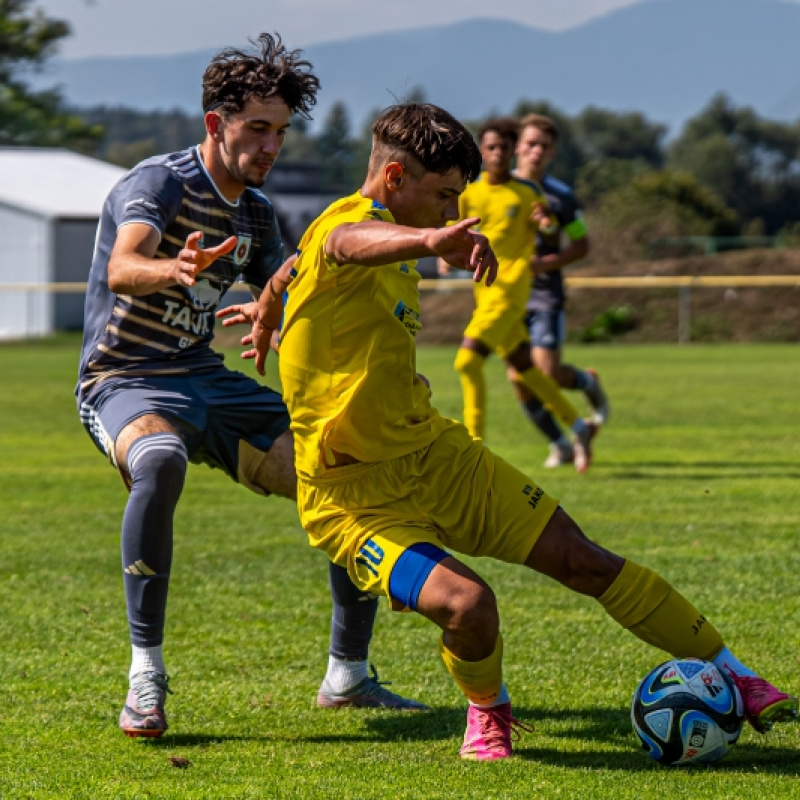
[{"x": 193, "y": 258}]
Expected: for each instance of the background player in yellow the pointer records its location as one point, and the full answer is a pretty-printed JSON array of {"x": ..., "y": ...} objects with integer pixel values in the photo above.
[
  {"x": 510, "y": 212},
  {"x": 385, "y": 483},
  {"x": 545, "y": 317}
]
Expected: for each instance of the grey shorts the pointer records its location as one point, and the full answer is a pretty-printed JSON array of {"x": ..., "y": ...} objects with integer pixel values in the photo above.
[
  {"x": 213, "y": 410},
  {"x": 546, "y": 329}
]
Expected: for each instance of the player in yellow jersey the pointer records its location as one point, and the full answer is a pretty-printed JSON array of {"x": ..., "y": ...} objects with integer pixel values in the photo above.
[
  {"x": 385, "y": 483},
  {"x": 511, "y": 214}
]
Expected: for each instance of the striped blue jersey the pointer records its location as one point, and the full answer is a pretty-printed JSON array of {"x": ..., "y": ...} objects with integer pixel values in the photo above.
[
  {"x": 170, "y": 331},
  {"x": 548, "y": 292}
]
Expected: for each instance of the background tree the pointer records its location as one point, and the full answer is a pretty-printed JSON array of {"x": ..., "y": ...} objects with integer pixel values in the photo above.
[
  {"x": 27, "y": 39},
  {"x": 751, "y": 163},
  {"x": 602, "y": 134},
  {"x": 337, "y": 151}
]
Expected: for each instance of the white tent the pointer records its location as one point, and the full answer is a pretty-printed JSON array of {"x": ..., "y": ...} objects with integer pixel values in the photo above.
[{"x": 50, "y": 202}]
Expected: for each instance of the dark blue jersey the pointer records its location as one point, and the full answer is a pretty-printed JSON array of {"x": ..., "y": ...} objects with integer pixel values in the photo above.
[
  {"x": 169, "y": 331},
  {"x": 547, "y": 293}
]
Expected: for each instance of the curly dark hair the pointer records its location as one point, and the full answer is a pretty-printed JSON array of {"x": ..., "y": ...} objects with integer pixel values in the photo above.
[
  {"x": 505, "y": 127},
  {"x": 235, "y": 76},
  {"x": 434, "y": 138}
]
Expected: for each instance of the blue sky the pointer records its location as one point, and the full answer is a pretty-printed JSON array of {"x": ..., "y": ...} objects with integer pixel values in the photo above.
[{"x": 144, "y": 27}]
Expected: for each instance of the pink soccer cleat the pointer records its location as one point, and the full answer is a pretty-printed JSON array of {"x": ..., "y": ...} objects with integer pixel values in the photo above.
[
  {"x": 764, "y": 705},
  {"x": 489, "y": 732}
]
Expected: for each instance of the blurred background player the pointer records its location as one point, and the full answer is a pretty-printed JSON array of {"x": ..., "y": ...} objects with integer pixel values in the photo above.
[
  {"x": 545, "y": 318},
  {"x": 385, "y": 483},
  {"x": 510, "y": 212},
  {"x": 175, "y": 232}
]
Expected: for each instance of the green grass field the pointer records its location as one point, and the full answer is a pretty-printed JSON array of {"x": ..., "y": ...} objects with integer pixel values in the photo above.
[{"x": 697, "y": 476}]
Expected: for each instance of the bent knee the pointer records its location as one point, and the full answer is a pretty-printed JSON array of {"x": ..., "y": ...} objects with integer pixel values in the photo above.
[
  {"x": 472, "y": 610},
  {"x": 269, "y": 471},
  {"x": 468, "y": 362}
]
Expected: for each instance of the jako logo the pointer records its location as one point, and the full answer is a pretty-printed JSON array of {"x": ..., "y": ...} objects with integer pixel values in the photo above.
[{"x": 370, "y": 556}]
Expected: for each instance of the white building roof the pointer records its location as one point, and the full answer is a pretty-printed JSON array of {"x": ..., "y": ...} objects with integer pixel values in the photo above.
[{"x": 53, "y": 182}]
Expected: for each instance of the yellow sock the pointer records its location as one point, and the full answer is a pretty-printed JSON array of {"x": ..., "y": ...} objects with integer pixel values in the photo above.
[
  {"x": 549, "y": 392},
  {"x": 469, "y": 366},
  {"x": 481, "y": 681},
  {"x": 646, "y": 605}
]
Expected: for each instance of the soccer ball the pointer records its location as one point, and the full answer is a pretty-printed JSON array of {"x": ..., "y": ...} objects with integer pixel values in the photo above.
[{"x": 686, "y": 711}]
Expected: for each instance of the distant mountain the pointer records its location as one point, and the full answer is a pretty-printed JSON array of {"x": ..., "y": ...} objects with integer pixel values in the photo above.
[{"x": 665, "y": 58}]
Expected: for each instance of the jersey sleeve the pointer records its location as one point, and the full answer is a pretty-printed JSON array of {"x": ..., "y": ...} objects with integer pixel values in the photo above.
[
  {"x": 267, "y": 259},
  {"x": 151, "y": 195},
  {"x": 572, "y": 219}
]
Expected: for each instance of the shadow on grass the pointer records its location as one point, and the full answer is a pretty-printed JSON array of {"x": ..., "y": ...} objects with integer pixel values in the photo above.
[
  {"x": 170, "y": 740},
  {"x": 718, "y": 470},
  {"x": 608, "y": 727}
]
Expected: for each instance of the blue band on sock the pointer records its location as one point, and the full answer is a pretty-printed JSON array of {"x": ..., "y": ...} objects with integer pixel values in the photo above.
[{"x": 411, "y": 571}]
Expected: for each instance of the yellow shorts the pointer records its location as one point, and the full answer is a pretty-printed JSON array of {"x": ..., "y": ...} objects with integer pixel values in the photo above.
[
  {"x": 500, "y": 326},
  {"x": 454, "y": 494}
]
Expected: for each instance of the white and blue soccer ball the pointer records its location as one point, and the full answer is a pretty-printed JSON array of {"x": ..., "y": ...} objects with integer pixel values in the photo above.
[{"x": 686, "y": 711}]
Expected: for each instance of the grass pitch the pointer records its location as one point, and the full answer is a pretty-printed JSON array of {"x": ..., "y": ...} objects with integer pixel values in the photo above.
[{"x": 696, "y": 475}]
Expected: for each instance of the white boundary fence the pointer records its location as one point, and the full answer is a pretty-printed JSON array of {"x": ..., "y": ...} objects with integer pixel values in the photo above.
[{"x": 683, "y": 283}]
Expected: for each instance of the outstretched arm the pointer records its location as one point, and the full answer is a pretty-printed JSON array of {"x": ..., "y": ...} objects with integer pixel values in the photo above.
[
  {"x": 573, "y": 252},
  {"x": 373, "y": 244},
  {"x": 133, "y": 268}
]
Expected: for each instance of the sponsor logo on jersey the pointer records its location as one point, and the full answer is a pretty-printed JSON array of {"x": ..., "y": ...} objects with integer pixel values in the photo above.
[
  {"x": 408, "y": 317},
  {"x": 242, "y": 250}
]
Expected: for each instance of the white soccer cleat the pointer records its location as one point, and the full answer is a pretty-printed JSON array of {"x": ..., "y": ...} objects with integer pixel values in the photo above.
[{"x": 560, "y": 455}]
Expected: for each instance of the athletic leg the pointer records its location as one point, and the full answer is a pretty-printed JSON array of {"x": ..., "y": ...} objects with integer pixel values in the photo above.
[
  {"x": 464, "y": 607},
  {"x": 152, "y": 458},
  {"x": 547, "y": 334},
  {"x": 642, "y": 602},
  {"x": 547, "y": 390},
  {"x": 469, "y": 365},
  {"x": 347, "y": 682}
]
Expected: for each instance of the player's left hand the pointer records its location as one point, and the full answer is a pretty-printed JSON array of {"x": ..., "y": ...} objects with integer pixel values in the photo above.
[
  {"x": 260, "y": 338},
  {"x": 241, "y": 314}
]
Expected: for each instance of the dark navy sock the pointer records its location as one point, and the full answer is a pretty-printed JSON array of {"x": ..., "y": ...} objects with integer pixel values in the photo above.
[
  {"x": 353, "y": 616},
  {"x": 542, "y": 419},
  {"x": 157, "y": 466}
]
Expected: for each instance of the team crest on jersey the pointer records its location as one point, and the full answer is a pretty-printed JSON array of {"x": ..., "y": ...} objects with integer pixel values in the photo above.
[
  {"x": 242, "y": 250},
  {"x": 512, "y": 211},
  {"x": 205, "y": 295}
]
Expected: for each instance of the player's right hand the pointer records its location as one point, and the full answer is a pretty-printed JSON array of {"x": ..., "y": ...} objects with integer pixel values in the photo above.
[
  {"x": 464, "y": 248},
  {"x": 193, "y": 258}
]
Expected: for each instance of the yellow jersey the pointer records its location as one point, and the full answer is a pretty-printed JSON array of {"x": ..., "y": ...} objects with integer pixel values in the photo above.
[
  {"x": 347, "y": 353},
  {"x": 505, "y": 212}
]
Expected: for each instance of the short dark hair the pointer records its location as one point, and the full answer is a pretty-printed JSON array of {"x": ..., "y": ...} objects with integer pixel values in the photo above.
[
  {"x": 505, "y": 127},
  {"x": 427, "y": 133},
  {"x": 235, "y": 76},
  {"x": 540, "y": 121}
]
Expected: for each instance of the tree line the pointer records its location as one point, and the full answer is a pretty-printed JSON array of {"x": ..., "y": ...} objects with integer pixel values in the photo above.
[{"x": 728, "y": 172}]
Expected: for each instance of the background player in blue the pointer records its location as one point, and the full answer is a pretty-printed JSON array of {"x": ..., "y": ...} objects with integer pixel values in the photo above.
[
  {"x": 175, "y": 232},
  {"x": 545, "y": 316}
]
